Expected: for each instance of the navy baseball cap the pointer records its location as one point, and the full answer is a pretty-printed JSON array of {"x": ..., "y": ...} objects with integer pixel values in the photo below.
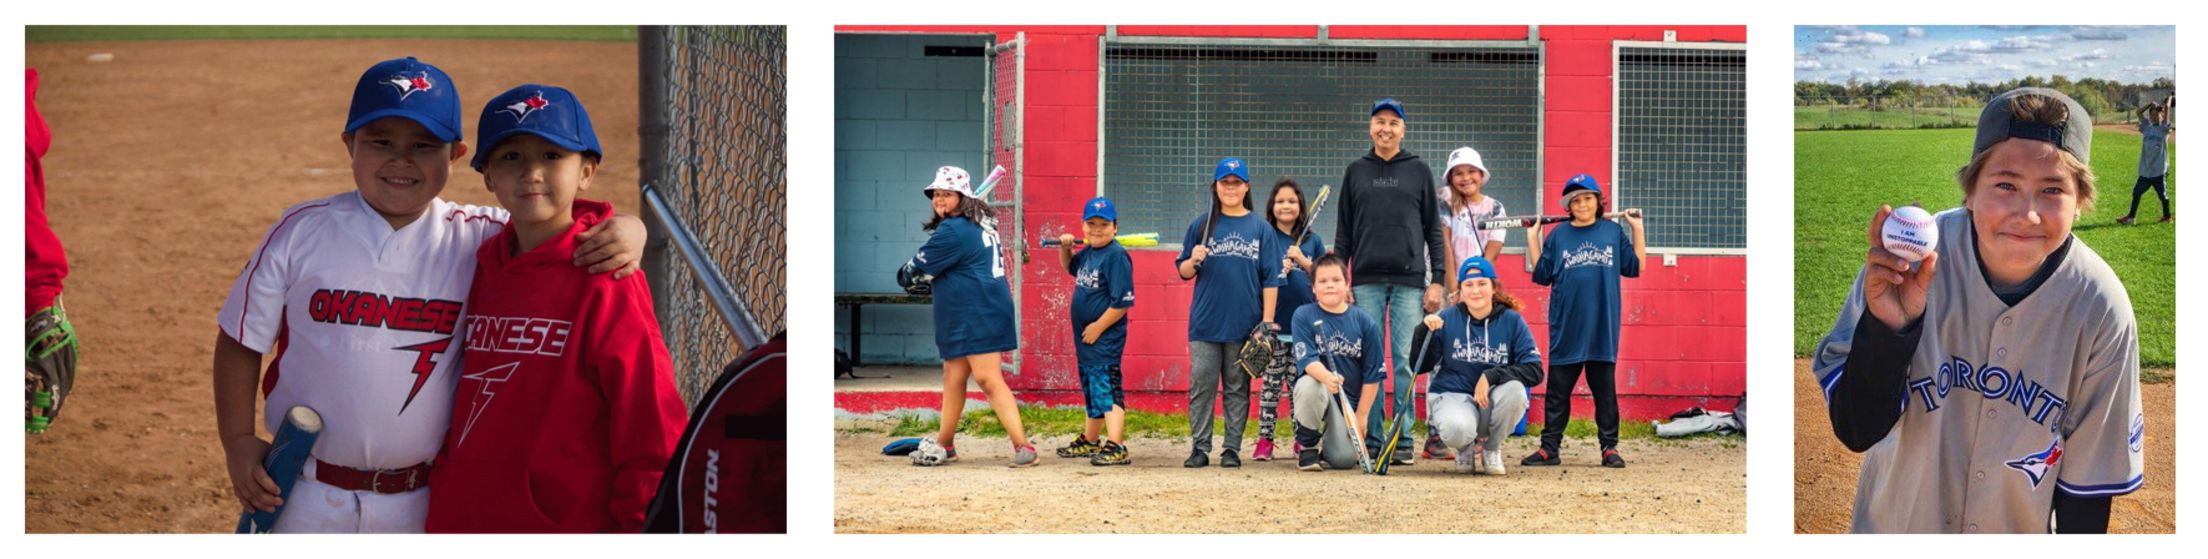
[
  {"x": 549, "y": 112},
  {"x": 1579, "y": 182},
  {"x": 1230, "y": 166},
  {"x": 1997, "y": 123},
  {"x": 1475, "y": 267},
  {"x": 1392, "y": 105},
  {"x": 1100, "y": 207},
  {"x": 407, "y": 88}
]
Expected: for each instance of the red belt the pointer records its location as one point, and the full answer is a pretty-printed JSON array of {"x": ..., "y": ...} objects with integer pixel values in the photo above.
[{"x": 395, "y": 481}]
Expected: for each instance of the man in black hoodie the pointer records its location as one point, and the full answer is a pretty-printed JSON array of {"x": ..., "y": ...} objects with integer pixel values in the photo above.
[{"x": 1390, "y": 230}]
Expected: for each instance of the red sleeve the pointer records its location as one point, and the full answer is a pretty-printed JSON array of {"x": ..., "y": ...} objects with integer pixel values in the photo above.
[{"x": 647, "y": 414}]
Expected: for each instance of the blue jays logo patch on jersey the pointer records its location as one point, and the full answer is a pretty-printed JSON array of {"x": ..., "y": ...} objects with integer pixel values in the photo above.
[
  {"x": 2138, "y": 432},
  {"x": 523, "y": 108},
  {"x": 407, "y": 85},
  {"x": 2037, "y": 464}
]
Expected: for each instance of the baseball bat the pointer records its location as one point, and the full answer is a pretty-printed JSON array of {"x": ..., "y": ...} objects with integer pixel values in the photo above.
[
  {"x": 287, "y": 459},
  {"x": 1530, "y": 220},
  {"x": 1341, "y": 398},
  {"x": 1317, "y": 204},
  {"x": 1129, "y": 240},
  {"x": 989, "y": 183}
]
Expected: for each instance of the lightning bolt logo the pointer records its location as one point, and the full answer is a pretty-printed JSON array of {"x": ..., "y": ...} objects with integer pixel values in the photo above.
[
  {"x": 425, "y": 362},
  {"x": 484, "y": 395}
]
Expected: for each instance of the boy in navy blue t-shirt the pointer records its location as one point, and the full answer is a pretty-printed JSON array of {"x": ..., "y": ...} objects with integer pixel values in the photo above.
[{"x": 1103, "y": 290}]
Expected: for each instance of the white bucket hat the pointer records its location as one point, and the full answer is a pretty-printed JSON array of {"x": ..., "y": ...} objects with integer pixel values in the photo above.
[
  {"x": 953, "y": 179},
  {"x": 1464, "y": 156}
]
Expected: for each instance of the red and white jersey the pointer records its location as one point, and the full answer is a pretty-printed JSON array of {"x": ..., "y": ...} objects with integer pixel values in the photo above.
[{"x": 364, "y": 322}]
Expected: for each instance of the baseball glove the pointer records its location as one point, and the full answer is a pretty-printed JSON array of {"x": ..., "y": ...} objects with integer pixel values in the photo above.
[
  {"x": 49, "y": 366},
  {"x": 1257, "y": 353},
  {"x": 914, "y": 281}
]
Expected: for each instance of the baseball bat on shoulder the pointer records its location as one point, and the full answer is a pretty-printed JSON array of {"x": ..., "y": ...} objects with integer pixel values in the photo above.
[
  {"x": 989, "y": 183},
  {"x": 287, "y": 460},
  {"x": 1531, "y": 220},
  {"x": 1131, "y": 240}
]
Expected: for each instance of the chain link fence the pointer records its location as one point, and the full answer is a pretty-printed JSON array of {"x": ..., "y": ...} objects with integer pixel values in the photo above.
[
  {"x": 1682, "y": 123},
  {"x": 713, "y": 138}
]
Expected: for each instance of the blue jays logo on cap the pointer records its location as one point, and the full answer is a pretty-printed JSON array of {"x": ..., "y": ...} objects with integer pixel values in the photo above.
[
  {"x": 1579, "y": 182},
  {"x": 410, "y": 89},
  {"x": 2037, "y": 464},
  {"x": 1231, "y": 166},
  {"x": 523, "y": 108},
  {"x": 407, "y": 85},
  {"x": 1101, "y": 207}
]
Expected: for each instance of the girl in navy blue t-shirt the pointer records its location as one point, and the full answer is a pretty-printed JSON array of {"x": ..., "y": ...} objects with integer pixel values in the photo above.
[
  {"x": 1582, "y": 262},
  {"x": 1289, "y": 216},
  {"x": 1224, "y": 252},
  {"x": 973, "y": 308}
]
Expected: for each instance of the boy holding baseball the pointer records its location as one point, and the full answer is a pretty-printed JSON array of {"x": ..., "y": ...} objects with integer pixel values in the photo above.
[
  {"x": 1103, "y": 290},
  {"x": 566, "y": 378},
  {"x": 359, "y": 295}
]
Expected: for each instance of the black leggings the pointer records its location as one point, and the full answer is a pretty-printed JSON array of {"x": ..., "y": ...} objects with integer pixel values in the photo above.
[
  {"x": 2160, "y": 193},
  {"x": 1556, "y": 404}
]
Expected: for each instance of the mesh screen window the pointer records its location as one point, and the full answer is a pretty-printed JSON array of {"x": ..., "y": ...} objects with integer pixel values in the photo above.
[
  {"x": 1171, "y": 111},
  {"x": 1681, "y": 153}
]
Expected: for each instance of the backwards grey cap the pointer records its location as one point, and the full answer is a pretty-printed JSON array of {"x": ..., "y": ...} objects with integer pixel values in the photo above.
[{"x": 1997, "y": 123}]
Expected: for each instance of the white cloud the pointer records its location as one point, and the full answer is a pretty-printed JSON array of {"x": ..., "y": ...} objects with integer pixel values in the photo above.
[
  {"x": 1851, "y": 40},
  {"x": 2020, "y": 43},
  {"x": 2098, "y": 34},
  {"x": 2097, "y": 54},
  {"x": 1913, "y": 32},
  {"x": 1808, "y": 64}
]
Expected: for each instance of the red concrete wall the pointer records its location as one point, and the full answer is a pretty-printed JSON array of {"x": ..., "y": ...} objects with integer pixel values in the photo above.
[{"x": 1684, "y": 327}]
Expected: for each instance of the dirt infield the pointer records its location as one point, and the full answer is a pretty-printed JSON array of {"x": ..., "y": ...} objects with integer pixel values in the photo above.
[
  {"x": 1697, "y": 486},
  {"x": 1825, "y": 472},
  {"x": 169, "y": 163}
]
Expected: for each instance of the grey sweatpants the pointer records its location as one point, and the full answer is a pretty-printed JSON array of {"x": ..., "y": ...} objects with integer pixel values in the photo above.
[
  {"x": 1461, "y": 421},
  {"x": 1313, "y": 408},
  {"x": 1212, "y": 369}
]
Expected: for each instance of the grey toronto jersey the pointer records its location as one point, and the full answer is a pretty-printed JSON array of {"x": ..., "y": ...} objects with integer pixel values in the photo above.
[{"x": 2002, "y": 406}]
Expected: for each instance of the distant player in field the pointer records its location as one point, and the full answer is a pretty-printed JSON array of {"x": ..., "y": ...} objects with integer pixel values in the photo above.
[
  {"x": 1582, "y": 262},
  {"x": 1993, "y": 387},
  {"x": 567, "y": 384},
  {"x": 1103, "y": 291},
  {"x": 2155, "y": 125},
  {"x": 50, "y": 344},
  {"x": 973, "y": 312},
  {"x": 1224, "y": 252},
  {"x": 359, "y": 295}
]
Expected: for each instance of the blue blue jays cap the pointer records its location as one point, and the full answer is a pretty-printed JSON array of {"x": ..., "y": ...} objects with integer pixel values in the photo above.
[
  {"x": 1579, "y": 182},
  {"x": 1230, "y": 166},
  {"x": 1475, "y": 267},
  {"x": 1392, "y": 105},
  {"x": 407, "y": 88},
  {"x": 549, "y": 112},
  {"x": 1100, "y": 207}
]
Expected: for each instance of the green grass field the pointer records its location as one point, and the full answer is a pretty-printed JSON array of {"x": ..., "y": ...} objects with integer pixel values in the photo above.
[
  {"x": 1056, "y": 423},
  {"x": 38, "y": 33},
  {"x": 1840, "y": 178},
  {"x": 1830, "y": 117}
]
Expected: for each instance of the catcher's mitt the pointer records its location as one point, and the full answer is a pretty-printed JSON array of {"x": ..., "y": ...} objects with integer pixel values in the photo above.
[
  {"x": 914, "y": 281},
  {"x": 49, "y": 366},
  {"x": 1257, "y": 353}
]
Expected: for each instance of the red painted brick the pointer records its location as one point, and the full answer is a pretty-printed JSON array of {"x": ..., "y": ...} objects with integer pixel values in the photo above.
[
  {"x": 1062, "y": 52},
  {"x": 1436, "y": 32},
  {"x": 1580, "y": 129},
  {"x": 1579, "y": 58},
  {"x": 1061, "y": 88},
  {"x": 1285, "y": 31}
]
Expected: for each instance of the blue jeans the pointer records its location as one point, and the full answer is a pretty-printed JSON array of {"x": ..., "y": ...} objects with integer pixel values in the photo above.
[{"x": 1399, "y": 309}]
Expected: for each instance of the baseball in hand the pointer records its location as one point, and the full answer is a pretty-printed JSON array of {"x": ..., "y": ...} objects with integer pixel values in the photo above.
[{"x": 1909, "y": 233}]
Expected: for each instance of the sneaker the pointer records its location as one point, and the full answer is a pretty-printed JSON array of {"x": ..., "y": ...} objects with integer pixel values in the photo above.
[
  {"x": 1467, "y": 462},
  {"x": 1025, "y": 456},
  {"x": 1264, "y": 451},
  {"x": 1080, "y": 448},
  {"x": 2126, "y": 220},
  {"x": 1111, "y": 454},
  {"x": 1543, "y": 457},
  {"x": 1436, "y": 450},
  {"x": 1196, "y": 459},
  {"x": 1230, "y": 459},
  {"x": 1611, "y": 459},
  {"x": 1494, "y": 462},
  {"x": 1403, "y": 457},
  {"x": 1307, "y": 459}
]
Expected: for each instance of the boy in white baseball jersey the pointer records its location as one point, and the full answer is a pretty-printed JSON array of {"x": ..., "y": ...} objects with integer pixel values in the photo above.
[
  {"x": 1993, "y": 386},
  {"x": 359, "y": 296}
]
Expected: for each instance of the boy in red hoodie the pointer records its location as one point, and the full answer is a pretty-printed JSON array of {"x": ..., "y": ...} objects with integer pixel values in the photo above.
[{"x": 567, "y": 411}]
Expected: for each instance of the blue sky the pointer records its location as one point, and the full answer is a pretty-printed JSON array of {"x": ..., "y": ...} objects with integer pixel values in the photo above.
[{"x": 1958, "y": 54}]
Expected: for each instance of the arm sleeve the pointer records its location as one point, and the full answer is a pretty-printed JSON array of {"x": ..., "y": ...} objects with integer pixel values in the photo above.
[
  {"x": 2104, "y": 426},
  {"x": 2081, "y": 515},
  {"x": 1120, "y": 279},
  {"x": 1632, "y": 266},
  {"x": 1544, "y": 270},
  {"x": 645, "y": 413},
  {"x": 1525, "y": 360},
  {"x": 254, "y": 310},
  {"x": 1863, "y": 370},
  {"x": 944, "y": 248},
  {"x": 480, "y": 223},
  {"x": 1437, "y": 245}
]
